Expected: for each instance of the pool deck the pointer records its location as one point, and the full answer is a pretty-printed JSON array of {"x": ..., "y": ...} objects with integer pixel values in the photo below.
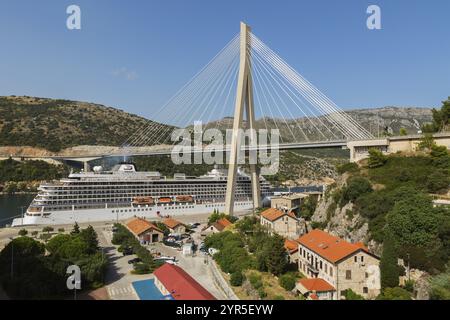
[{"x": 146, "y": 290}]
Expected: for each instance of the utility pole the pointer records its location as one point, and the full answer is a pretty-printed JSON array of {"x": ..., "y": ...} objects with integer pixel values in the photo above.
[
  {"x": 409, "y": 268},
  {"x": 12, "y": 258},
  {"x": 21, "y": 207}
]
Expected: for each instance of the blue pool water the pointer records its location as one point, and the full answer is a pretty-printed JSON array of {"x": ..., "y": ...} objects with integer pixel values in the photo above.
[{"x": 146, "y": 290}]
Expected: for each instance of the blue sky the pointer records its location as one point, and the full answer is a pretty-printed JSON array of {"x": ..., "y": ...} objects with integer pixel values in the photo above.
[{"x": 135, "y": 54}]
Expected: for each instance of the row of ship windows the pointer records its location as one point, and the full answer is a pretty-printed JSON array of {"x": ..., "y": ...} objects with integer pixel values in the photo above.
[
  {"x": 140, "y": 190},
  {"x": 105, "y": 196},
  {"x": 137, "y": 186},
  {"x": 140, "y": 209},
  {"x": 113, "y": 201}
]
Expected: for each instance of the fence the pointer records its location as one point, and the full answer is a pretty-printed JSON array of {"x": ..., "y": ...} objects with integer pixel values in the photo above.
[{"x": 220, "y": 282}]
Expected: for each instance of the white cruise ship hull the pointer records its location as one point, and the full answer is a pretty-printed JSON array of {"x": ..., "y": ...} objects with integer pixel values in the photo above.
[{"x": 123, "y": 213}]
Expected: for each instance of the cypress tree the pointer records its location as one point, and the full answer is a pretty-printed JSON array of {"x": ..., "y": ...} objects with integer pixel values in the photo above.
[{"x": 388, "y": 264}]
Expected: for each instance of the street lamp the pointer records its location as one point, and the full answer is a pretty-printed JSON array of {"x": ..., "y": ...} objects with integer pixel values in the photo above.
[
  {"x": 22, "y": 212},
  {"x": 409, "y": 267},
  {"x": 12, "y": 257}
]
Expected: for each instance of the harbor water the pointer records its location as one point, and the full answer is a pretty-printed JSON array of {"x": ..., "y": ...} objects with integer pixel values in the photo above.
[{"x": 10, "y": 206}]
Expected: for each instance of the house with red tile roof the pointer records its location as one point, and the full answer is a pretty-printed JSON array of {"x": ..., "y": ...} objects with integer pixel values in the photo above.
[
  {"x": 342, "y": 264},
  {"x": 282, "y": 222},
  {"x": 174, "y": 281},
  {"x": 291, "y": 247},
  {"x": 218, "y": 226},
  {"x": 316, "y": 289},
  {"x": 144, "y": 230},
  {"x": 174, "y": 226}
]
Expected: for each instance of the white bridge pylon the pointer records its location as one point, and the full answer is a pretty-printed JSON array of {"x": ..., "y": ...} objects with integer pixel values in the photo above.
[
  {"x": 247, "y": 75},
  {"x": 244, "y": 99}
]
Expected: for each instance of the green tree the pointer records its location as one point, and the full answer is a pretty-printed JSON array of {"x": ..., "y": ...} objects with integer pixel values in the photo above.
[
  {"x": 414, "y": 221},
  {"x": 356, "y": 187},
  {"x": 440, "y": 286},
  {"x": 376, "y": 158},
  {"x": 34, "y": 233},
  {"x": 349, "y": 294},
  {"x": 403, "y": 132},
  {"x": 47, "y": 229},
  {"x": 308, "y": 207},
  {"x": 55, "y": 243},
  {"x": 438, "y": 182},
  {"x": 276, "y": 260},
  {"x": 90, "y": 238},
  {"x": 287, "y": 281},
  {"x": 388, "y": 264},
  {"x": 395, "y": 293},
  {"x": 441, "y": 117},
  {"x": 347, "y": 167},
  {"x": 438, "y": 151},
  {"x": 10, "y": 187},
  {"x": 236, "y": 279},
  {"x": 427, "y": 142},
  {"x": 76, "y": 229},
  {"x": 23, "y": 232}
]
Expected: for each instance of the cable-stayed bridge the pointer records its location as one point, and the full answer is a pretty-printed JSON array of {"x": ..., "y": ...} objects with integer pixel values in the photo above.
[
  {"x": 247, "y": 76},
  {"x": 282, "y": 99},
  {"x": 250, "y": 84}
]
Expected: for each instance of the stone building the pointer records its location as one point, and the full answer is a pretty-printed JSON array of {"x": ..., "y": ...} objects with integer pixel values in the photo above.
[
  {"x": 282, "y": 222},
  {"x": 144, "y": 230},
  {"x": 341, "y": 264},
  {"x": 218, "y": 226},
  {"x": 289, "y": 202},
  {"x": 174, "y": 226}
]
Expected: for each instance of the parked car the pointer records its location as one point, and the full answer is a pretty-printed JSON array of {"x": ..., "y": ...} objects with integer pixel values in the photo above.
[
  {"x": 171, "y": 260},
  {"x": 127, "y": 251},
  {"x": 135, "y": 260},
  {"x": 212, "y": 251}
]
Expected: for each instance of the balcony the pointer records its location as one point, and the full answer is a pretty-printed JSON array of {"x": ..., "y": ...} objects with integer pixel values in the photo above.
[{"x": 312, "y": 268}]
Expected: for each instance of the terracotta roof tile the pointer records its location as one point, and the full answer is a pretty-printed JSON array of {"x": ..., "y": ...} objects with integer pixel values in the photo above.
[
  {"x": 273, "y": 214},
  {"x": 225, "y": 222},
  {"x": 316, "y": 285},
  {"x": 139, "y": 226},
  {"x": 329, "y": 247},
  {"x": 291, "y": 245},
  {"x": 171, "y": 223},
  {"x": 180, "y": 284}
]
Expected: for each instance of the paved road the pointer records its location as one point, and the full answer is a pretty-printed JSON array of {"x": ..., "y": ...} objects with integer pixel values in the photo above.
[
  {"x": 194, "y": 265},
  {"x": 118, "y": 276},
  {"x": 6, "y": 233}
]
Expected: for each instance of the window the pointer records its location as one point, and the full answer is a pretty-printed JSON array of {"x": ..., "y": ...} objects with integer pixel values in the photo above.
[
  {"x": 367, "y": 275},
  {"x": 331, "y": 271},
  {"x": 365, "y": 290},
  {"x": 356, "y": 259},
  {"x": 326, "y": 268},
  {"x": 362, "y": 258},
  {"x": 348, "y": 274}
]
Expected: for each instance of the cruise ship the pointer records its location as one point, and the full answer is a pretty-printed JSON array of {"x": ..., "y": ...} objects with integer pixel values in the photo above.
[{"x": 124, "y": 192}]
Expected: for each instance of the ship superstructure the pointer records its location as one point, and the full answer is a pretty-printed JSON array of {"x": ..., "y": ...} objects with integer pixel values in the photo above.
[{"x": 125, "y": 192}]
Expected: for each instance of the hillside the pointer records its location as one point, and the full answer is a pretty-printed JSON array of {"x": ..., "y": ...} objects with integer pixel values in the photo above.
[
  {"x": 57, "y": 124},
  {"x": 378, "y": 121},
  {"x": 369, "y": 202}
]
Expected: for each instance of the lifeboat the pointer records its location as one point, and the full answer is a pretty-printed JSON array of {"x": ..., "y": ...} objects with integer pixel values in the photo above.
[
  {"x": 184, "y": 199},
  {"x": 164, "y": 200},
  {"x": 143, "y": 200}
]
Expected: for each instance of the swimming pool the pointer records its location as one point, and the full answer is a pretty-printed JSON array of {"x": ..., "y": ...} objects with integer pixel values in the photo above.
[{"x": 146, "y": 290}]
